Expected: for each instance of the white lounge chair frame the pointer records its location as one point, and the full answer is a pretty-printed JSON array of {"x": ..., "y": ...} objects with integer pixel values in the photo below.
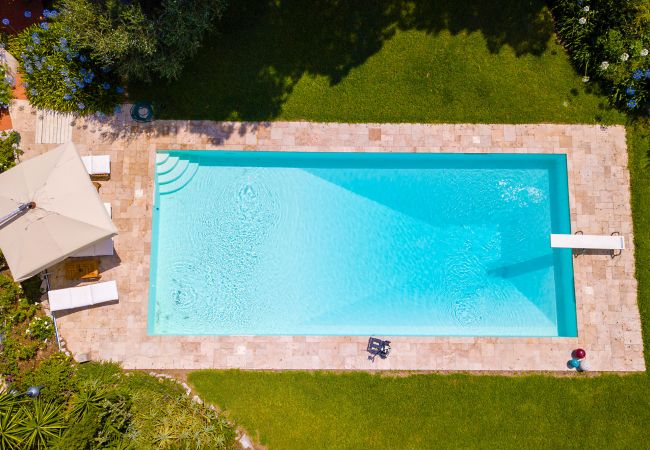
[
  {"x": 97, "y": 164},
  {"x": 102, "y": 248},
  {"x": 77, "y": 297}
]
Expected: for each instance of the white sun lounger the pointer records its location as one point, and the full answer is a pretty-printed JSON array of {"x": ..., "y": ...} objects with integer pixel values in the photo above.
[
  {"x": 97, "y": 165},
  {"x": 102, "y": 248},
  {"x": 588, "y": 241},
  {"x": 77, "y": 297}
]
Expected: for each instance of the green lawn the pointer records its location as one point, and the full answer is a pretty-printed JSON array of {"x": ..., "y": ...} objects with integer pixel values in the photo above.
[
  {"x": 381, "y": 61},
  {"x": 418, "y": 61},
  {"x": 638, "y": 145},
  {"x": 298, "y": 410}
]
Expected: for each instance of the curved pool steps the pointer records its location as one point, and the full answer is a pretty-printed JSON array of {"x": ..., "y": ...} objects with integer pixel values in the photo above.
[
  {"x": 174, "y": 173},
  {"x": 161, "y": 158},
  {"x": 179, "y": 182},
  {"x": 168, "y": 165}
]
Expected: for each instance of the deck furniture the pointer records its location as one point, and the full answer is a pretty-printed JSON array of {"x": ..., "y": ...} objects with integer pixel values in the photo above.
[
  {"x": 589, "y": 241},
  {"x": 77, "y": 297},
  {"x": 82, "y": 269},
  {"x": 65, "y": 213},
  {"x": 377, "y": 347},
  {"x": 98, "y": 166},
  {"x": 101, "y": 248}
]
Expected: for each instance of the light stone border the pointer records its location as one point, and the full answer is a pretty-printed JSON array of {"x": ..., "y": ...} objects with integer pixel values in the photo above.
[{"x": 608, "y": 318}]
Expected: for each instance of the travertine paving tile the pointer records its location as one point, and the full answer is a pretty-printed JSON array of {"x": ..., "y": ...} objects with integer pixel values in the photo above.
[{"x": 608, "y": 318}]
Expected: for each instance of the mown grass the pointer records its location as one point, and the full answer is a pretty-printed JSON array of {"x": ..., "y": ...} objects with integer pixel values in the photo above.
[
  {"x": 299, "y": 410},
  {"x": 638, "y": 147},
  {"x": 382, "y": 61}
]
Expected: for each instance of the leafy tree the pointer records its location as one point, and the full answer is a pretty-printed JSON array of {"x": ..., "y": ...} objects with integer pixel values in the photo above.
[
  {"x": 115, "y": 33},
  {"x": 140, "y": 39}
]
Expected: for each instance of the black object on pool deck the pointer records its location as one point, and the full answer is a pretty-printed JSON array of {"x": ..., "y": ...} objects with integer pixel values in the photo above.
[{"x": 377, "y": 347}]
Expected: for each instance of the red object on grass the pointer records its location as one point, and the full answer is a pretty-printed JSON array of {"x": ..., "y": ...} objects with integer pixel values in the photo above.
[{"x": 580, "y": 353}]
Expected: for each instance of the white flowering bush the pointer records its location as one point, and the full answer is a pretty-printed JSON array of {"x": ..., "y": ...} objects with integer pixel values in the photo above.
[
  {"x": 40, "y": 328},
  {"x": 58, "y": 76},
  {"x": 608, "y": 41}
]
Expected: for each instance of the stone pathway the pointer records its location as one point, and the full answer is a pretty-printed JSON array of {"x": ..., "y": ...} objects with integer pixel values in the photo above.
[{"x": 608, "y": 318}]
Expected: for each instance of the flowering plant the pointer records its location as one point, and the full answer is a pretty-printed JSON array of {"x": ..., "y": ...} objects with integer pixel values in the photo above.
[
  {"x": 9, "y": 150},
  {"x": 60, "y": 77},
  {"x": 40, "y": 328},
  {"x": 610, "y": 45},
  {"x": 6, "y": 82}
]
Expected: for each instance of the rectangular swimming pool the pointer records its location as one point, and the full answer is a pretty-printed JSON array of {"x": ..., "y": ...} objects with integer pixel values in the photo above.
[{"x": 278, "y": 243}]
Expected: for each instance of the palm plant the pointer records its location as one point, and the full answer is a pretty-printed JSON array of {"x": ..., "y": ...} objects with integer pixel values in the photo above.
[
  {"x": 90, "y": 396},
  {"x": 41, "y": 424},
  {"x": 8, "y": 402},
  {"x": 10, "y": 423}
]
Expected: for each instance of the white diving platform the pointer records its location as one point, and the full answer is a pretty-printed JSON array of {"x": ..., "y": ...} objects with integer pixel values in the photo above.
[{"x": 588, "y": 241}]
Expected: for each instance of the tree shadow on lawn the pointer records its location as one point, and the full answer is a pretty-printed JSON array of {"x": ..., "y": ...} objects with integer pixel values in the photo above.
[{"x": 247, "y": 70}]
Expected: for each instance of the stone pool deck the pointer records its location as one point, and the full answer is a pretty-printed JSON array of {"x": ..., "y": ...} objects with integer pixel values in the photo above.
[{"x": 606, "y": 290}]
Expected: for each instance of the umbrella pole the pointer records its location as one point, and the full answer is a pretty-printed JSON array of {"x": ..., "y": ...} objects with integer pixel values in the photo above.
[
  {"x": 56, "y": 328},
  {"x": 21, "y": 208}
]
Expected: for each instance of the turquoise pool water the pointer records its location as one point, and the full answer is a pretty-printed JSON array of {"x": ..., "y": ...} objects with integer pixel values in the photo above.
[{"x": 263, "y": 243}]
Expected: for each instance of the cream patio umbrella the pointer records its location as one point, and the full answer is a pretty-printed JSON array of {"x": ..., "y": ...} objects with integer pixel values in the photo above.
[{"x": 50, "y": 210}]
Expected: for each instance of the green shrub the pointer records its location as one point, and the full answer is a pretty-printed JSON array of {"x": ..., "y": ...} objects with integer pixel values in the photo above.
[
  {"x": 40, "y": 328},
  {"x": 32, "y": 289},
  {"x": 140, "y": 39},
  {"x": 6, "y": 82},
  {"x": 23, "y": 334},
  {"x": 80, "y": 435},
  {"x": 106, "y": 373},
  {"x": 61, "y": 77},
  {"x": 97, "y": 405},
  {"x": 10, "y": 292},
  {"x": 26, "y": 351},
  {"x": 55, "y": 374},
  {"x": 608, "y": 41},
  {"x": 9, "y": 142}
]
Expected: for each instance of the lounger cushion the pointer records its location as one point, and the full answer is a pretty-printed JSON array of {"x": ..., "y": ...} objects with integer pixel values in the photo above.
[
  {"x": 78, "y": 297},
  {"x": 97, "y": 165}
]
